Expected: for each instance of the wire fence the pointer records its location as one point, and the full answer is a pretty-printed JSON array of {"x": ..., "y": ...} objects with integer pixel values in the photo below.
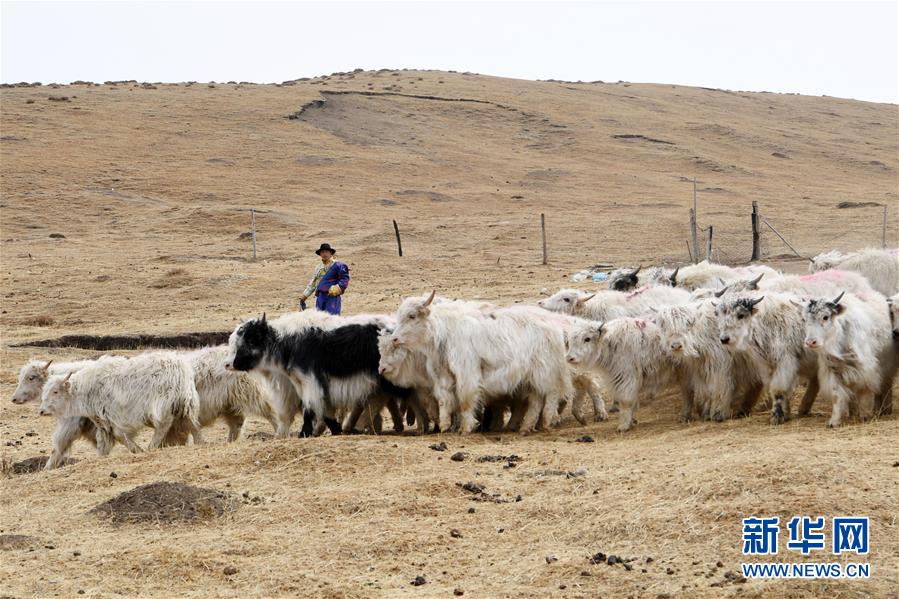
[{"x": 732, "y": 239}]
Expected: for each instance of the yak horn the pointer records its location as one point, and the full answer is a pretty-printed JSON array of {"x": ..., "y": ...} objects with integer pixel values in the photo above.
[
  {"x": 68, "y": 376},
  {"x": 755, "y": 282},
  {"x": 752, "y": 303},
  {"x": 721, "y": 292},
  {"x": 430, "y": 298},
  {"x": 839, "y": 297},
  {"x": 47, "y": 365},
  {"x": 263, "y": 318},
  {"x": 584, "y": 300},
  {"x": 673, "y": 277}
]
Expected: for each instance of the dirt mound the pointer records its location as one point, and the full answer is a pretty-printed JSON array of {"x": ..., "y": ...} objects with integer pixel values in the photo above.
[
  {"x": 35, "y": 464},
  {"x": 177, "y": 277},
  {"x": 166, "y": 502}
]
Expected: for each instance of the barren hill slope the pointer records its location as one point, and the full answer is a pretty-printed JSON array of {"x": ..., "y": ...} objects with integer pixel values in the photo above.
[{"x": 145, "y": 181}]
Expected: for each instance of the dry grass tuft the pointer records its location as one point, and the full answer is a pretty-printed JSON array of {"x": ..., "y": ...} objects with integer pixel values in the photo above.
[
  {"x": 35, "y": 464},
  {"x": 177, "y": 277},
  {"x": 8, "y": 542},
  {"x": 42, "y": 320}
]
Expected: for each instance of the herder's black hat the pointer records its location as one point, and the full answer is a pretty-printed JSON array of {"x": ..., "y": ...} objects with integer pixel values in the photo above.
[{"x": 325, "y": 246}]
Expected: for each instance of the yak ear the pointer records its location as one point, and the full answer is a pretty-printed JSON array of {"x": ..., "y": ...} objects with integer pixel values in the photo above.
[
  {"x": 430, "y": 298},
  {"x": 673, "y": 277},
  {"x": 721, "y": 291},
  {"x": 584, "y": 300},
  {"x": 47, "y": 365}
]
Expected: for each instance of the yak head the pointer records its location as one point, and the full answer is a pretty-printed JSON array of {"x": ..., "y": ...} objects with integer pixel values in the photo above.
[
  {"x": 566, "y": 301},
  {"x": 675, "y": 325},
  {"x": 582, "y": 342},
  {"x": 821, "y": 327},
  {"x": 248, "y": 343},
  {"x": 56, "y": 396},
  {"x": 392, "y": 355},
  {"x": 412, "y": 317},
  {"x": 734, "y": 321},
  {"x": 624, "y": 280},
  {"x": 31, "y": 380}
]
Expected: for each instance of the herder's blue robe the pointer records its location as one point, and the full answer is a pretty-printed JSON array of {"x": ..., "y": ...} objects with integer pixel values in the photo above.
[{"x": 338, "y": 274}]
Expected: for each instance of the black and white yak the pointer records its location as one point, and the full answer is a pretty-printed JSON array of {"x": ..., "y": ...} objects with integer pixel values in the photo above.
[{"x": 331, "y": 368}]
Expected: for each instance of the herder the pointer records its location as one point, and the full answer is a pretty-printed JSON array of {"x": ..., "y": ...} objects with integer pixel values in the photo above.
[{"x": 329, "y": 281}]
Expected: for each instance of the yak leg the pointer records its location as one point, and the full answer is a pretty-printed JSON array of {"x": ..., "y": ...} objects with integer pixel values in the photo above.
[
  {"x": 128, "y": 440},
  {"x": 811, "y": 392},
  {"x": 395, "y": 415},
  {"x": 352, "y": 418},
  {"x": 533, "y": 411},
  {"x": 627, "y": 403},
  {"x": 67, "y": 430},
  {"x": 840, "y": 397}
]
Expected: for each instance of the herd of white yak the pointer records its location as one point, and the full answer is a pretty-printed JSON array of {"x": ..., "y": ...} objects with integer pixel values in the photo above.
[{"x": 722, "y": 337}]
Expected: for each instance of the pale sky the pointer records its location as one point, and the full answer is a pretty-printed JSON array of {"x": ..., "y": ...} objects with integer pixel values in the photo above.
[{"x": 844, "y": 49}]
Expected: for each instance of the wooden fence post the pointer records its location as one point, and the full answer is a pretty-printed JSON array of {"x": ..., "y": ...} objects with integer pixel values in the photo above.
[
  {"x": 399, "y": 244},
  {"x": 708, "y": 249},
  {"x": 695, "y": 221},
  {"x": 543, "y": 233},
  {"x": 253, "y": 217},
  {"x": 884, "y": 237},
  {"x": 695, "y": 236},
  {"x": 756, "y": 233}
]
